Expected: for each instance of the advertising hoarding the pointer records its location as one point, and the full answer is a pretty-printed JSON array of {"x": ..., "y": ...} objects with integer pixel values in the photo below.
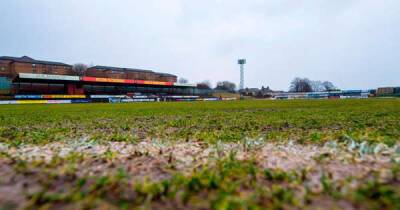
[{"x": 48, "y": 77}]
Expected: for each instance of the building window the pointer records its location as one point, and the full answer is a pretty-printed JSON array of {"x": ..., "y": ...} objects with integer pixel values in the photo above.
[
  {"x": 34, "y": 68},
  {"x": 2, "y": 68}
]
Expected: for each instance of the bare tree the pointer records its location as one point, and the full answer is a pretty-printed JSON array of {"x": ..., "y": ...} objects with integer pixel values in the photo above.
[
  {"x": 204, "y": 85},
  {"x": 322, "y": 86},
  {"x": 226, "y": 85},
  {"x": 328, "y": 86},
  {"x": 79, "y": 69},
  {"x": 317, "y": 86},
  {"x": 307, "y": 85},
  {"x": 183, "y": 81},
  {"x": 300, "y": 85}
]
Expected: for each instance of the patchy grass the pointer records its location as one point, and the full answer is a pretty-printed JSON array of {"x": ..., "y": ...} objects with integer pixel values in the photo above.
[
  {"x": 312, "y": 121},
  {"x": 339, "y": 154}
]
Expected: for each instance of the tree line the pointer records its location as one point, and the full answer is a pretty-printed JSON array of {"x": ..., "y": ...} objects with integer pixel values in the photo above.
[
  {"x": 297, "y": 85},
  {"x": 301, "y": 85}
]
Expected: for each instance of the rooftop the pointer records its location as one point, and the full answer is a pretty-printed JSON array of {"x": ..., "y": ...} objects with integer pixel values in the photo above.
[
  {"x": 26, "y": 59},
  {"x": 119, "y": 69},
  {"x": 128, "y": 69}
]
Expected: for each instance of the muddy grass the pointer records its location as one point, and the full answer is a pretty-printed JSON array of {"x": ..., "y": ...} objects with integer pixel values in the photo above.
[{"x": 84, "y": 174}]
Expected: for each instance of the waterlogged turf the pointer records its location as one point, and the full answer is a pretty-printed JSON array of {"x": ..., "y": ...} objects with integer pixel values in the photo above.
[{"x": 336, "y": 154}]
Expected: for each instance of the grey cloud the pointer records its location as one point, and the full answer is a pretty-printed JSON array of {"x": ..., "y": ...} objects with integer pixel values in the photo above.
[{"x": 353, "y": 43}]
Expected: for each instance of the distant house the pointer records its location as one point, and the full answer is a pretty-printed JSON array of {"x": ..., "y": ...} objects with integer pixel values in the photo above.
[
  {"x": 259, "y": 93},
  {"x": 388, "y": 91},
  {"x": 249, "y": 91}
]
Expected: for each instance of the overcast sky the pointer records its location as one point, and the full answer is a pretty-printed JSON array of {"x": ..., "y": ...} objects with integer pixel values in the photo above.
[{"x": 353, "y": 43}]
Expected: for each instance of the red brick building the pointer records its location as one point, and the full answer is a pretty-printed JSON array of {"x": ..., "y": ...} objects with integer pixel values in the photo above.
[
  {"x": 25, "y": 76},
  {"x": 129, "y": 73},
  {"x": 12, "y": 66}
]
